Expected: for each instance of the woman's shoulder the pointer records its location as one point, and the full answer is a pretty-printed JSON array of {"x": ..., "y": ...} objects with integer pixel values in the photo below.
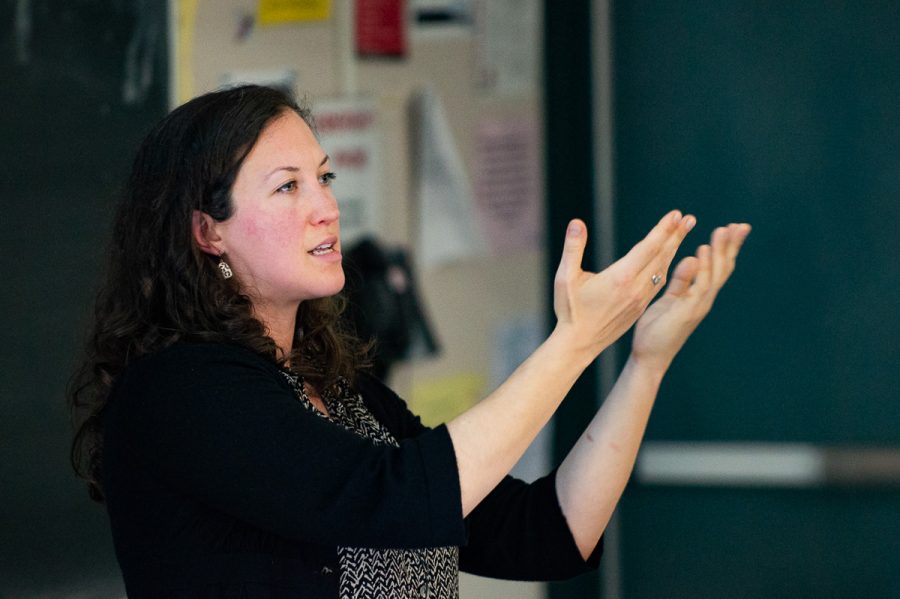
[
  {"x": 186, "y": 365},
  {"x": 190, "y": 355},
  {"x": 194, "y": 382}
]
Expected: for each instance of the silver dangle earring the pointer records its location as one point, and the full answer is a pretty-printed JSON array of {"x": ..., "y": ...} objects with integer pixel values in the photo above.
[{"x": 225, "y": 269}]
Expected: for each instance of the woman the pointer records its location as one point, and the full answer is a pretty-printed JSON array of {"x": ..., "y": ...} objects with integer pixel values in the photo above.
[{"x": 241, "y": 451}]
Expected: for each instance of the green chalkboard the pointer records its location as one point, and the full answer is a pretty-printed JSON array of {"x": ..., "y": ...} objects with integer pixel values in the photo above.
[
  {"x": 785, "y": 115},
  {"x": 82, "y": 83}
]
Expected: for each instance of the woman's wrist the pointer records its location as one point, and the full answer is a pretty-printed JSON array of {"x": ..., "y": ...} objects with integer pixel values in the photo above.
[
  {"x": 652, "y": 368},
  {"x": 566, "y": 340}
]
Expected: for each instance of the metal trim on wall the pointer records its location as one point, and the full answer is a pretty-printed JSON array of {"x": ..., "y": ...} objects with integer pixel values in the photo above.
[{"x": 767, "y": 465}]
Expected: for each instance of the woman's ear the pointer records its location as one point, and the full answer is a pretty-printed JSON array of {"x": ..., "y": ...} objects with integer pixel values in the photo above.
[{"x": 203, "y": 228}]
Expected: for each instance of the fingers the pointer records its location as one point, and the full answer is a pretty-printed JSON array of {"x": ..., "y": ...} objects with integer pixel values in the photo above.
[
  {"x": 703, "y": 278},
  {"x": 650, "y": 246},
  {"x": 726, "y": 243},
  {"x": 715, "y": 262},
  {"x": 659, "y": 266},
  {"x": 699, "y": 278},
  {"x": 738, "y": 234},
  {"x": 721, "y": 266},
  {"x": 683, "y": 276}
]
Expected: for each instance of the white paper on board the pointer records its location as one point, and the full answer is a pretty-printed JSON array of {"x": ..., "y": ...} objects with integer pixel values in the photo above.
[
  {"x": 507, "y": 49},
  {"x": 448, "y": 230},
  {"x": 347, "y": 131},
  {"x": 508, "y": 188}
]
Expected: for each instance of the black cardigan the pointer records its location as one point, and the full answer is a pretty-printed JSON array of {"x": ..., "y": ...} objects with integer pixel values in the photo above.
[{"x": 218, "y": 481}]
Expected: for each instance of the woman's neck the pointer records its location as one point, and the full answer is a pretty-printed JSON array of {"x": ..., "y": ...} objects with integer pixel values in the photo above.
[{"x": 280, "y": 325}]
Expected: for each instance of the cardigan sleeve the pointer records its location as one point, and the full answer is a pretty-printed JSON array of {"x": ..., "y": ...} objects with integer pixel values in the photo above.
[
  {"x": 518, "y": 531},
  {"x": 219, "y": 424}
]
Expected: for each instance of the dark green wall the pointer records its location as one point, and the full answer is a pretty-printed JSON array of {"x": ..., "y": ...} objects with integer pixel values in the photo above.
[
  {"x": 786, "y": 115},
  {"x": 66, "y": 139}
]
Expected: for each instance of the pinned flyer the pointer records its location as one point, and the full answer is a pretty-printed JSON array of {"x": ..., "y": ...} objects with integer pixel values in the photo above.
[
  {"x": 448, "y": 230},
  {"x": 348, "y": 133},
  {"x": 275, "y": 12},
  {"x": 442, "y": 399},
  {"x": 508, "y": 183},
  {"x": 381, "y": 28},
  {"x": 507, "y": 46}
]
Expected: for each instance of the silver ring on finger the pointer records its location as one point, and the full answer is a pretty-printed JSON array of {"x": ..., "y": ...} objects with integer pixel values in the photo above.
[{"x": 655, "y": 279}]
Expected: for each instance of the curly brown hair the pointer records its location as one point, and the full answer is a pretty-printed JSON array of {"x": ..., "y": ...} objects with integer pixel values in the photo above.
[{"x": 160, "y": 288}]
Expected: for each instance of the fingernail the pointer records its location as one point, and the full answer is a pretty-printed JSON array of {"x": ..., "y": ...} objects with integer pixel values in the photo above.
[
  {"x": 689, "y": 222},
  {"x": 676, "y": 216},
  {"x": 574, "y": 228}
]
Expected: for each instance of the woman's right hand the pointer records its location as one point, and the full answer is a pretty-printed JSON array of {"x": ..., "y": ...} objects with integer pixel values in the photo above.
[{"x": 594, "y": 309}]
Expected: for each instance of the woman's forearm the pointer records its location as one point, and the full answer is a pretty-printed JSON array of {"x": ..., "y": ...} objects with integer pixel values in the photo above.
[
  {"x": 490, "y": 437},
  {"x": 593, "y": 475}
]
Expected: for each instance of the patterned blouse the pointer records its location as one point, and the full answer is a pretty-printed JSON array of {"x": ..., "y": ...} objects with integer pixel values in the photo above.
[{"x": 364, "y": 572}]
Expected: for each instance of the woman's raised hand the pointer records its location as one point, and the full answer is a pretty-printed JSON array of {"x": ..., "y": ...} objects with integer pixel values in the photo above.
[
  {"x": 667, "y": 324},
  {"x": 594, "y": 310}
]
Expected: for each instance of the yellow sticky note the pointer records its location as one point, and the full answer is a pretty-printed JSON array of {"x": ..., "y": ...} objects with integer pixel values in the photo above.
[
  {"x": 272, "y": 12},
  {"x": 439, "y": 400}
]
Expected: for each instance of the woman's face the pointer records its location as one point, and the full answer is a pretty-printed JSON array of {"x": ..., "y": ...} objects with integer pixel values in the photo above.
[{"x": 282, "y": 240}]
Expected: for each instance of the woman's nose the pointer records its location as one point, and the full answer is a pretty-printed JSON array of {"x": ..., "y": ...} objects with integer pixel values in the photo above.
[{"x": 327, "y": 210}]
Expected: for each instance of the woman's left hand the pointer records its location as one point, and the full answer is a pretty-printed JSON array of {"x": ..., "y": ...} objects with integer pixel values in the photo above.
[{"x": 696, "y": 281}]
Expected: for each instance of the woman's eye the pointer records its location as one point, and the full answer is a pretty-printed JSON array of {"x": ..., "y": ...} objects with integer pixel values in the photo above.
[
  {"x": 287, "y": 187},
  {"x": 327, "y": 178}
]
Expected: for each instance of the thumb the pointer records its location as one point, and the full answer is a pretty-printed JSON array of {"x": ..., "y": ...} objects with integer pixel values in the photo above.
[
  {"x": 683, "y": 276},
  {"x": 573, "y": 249}
]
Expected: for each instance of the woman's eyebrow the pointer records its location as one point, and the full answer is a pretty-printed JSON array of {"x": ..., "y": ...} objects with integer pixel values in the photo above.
[{"x": 293, "y": 169}]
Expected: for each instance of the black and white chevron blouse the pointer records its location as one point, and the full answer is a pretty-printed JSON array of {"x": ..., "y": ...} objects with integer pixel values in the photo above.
[{"x": 364, "y": 572}]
